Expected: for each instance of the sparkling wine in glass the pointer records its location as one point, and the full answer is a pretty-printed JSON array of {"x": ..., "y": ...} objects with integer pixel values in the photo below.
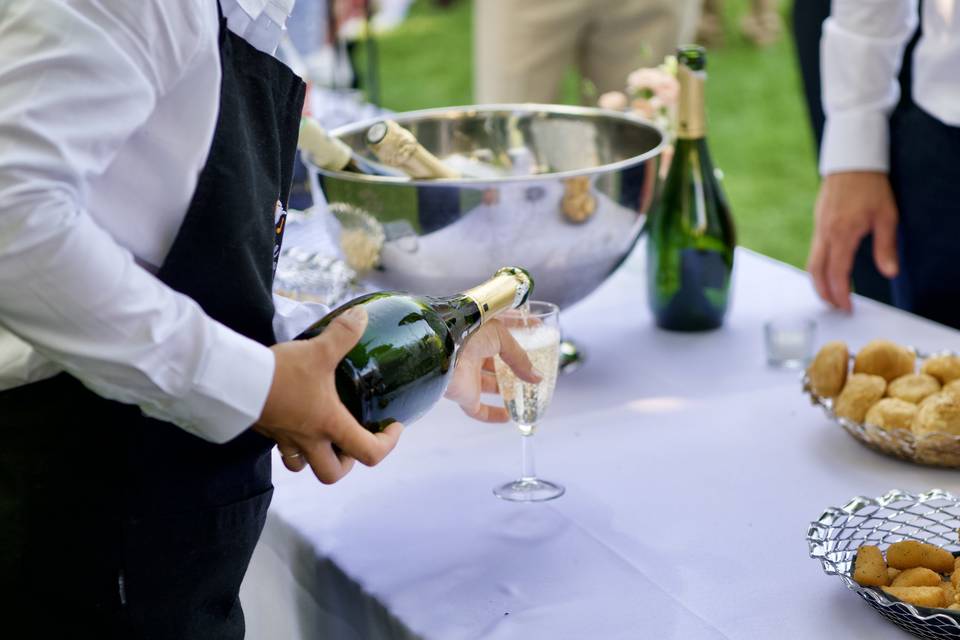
[{"x": 536, "y": 328}]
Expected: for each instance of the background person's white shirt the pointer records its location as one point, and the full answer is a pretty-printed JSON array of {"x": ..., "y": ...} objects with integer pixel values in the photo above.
[
  {"x": 107, "y": 113},
  {"x": 862, "y": 49}
]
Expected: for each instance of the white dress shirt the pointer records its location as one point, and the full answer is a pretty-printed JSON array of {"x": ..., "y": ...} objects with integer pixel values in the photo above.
[
  {"x": 862, "y": 49},
  {"x": 107, "y": 113}
]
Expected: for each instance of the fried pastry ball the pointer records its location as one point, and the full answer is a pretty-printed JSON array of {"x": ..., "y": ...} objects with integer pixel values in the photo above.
[
  {"x": 936, "y": 428},
  {"x": 885, "y": 359},
  {"x": 944, "y": 368},
  {"x": 949, "y": 592},
  {"x": 892, "y": 413},
  {"x": 908, "y": 554},
  {"x": 939, "y": 414},
  {"x": 917, "y": 577},
  {"x": 860, "y": 393},
  {"x": 934, "y": 398},
  {"x": 919, "y": 596},
  {"x": 953, "y": 388},
  {"x": 870, "y": 569},
  {"x": 828, "y": 371},
  {"x": 913, "y": 387},
  {"x": 892, "y": 573}
]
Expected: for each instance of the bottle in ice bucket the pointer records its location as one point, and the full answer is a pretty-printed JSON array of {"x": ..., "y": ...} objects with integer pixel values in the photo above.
[
  {"x": 692, "y": 238},
  {"x": 398, "y": 147},
  {"x": 403, "y": 362}
]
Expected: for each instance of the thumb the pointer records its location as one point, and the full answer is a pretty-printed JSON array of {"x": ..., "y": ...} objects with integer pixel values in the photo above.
[
  {"x": 343, "y": 333},
  {"x": 885, "y": 244}
]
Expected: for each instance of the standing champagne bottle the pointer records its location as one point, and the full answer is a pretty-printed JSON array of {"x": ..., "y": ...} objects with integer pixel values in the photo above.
[
  {"x": 692, "y": 238},
  {"x": 403, "y": 362}
]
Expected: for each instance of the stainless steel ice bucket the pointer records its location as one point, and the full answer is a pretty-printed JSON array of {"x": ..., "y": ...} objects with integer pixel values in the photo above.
[{"x": 559, "y": 190}]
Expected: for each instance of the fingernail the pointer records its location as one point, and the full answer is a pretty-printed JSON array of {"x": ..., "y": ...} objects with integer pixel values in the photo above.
[
  {"x": 537, "y": 374},
  {"x": 355, "y": 315}
]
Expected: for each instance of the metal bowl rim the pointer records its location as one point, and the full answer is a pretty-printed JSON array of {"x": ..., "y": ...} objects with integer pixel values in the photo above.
[{"x": 355, "y": 127}]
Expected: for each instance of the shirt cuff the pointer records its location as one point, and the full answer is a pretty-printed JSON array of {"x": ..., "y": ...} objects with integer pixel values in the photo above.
[
  {"x": 855, "y": 142},
  {"x": 292, "y": 317},
  {"x": 230, "y": 390}
]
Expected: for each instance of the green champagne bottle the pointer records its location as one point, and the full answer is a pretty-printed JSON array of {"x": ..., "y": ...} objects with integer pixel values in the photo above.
[
  {"x": 692, "y": 238},
  {"x": 403, "y": 362}
]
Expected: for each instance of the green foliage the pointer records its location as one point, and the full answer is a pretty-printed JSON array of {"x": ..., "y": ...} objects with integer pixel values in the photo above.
[{"x": 759, "y": 133}]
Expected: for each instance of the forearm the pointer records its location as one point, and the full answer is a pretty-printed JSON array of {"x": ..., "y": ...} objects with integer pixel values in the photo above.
[
  {"x": 82, "y": 302},
  {"x": 861, "y": 53}
]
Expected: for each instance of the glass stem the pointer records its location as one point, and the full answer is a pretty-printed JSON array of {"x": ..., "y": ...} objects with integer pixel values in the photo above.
[{"x": 528, "y": 471}]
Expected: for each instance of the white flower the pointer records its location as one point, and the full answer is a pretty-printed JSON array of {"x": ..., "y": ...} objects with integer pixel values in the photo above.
[
  {"x": 615, "y": 100},
  {"x": 650, "y": 108},
  {"x": 657, "y": 82}
]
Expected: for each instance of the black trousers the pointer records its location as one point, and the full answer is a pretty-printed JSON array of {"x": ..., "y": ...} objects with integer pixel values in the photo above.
[{"x": 925, "y": 173}]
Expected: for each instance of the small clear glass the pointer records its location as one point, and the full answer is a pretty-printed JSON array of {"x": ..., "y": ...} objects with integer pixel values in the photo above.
[
  {"x": 789, "y": 342},
  {"x": 537, "y": 328}
]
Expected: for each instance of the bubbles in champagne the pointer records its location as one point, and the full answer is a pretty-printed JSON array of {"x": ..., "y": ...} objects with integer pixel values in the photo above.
[{"x": 527, "y": 402}]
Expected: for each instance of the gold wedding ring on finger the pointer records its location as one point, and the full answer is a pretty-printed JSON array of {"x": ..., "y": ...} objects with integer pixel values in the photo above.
[{"x": 291, "y": 455}]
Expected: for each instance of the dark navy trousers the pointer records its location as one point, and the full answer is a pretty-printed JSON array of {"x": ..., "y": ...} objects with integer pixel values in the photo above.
[{"x": 925, "y": 174}]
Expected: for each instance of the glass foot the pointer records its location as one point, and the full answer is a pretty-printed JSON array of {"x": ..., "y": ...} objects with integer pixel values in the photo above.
[{"x": 529, "y": 490}]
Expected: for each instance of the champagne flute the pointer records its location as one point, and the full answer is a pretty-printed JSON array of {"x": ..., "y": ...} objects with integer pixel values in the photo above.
[{"x": 536, "y": 328}]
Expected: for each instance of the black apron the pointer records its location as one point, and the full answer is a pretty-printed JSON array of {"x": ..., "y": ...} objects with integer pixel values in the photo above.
[{"x": 116, "y": 525}]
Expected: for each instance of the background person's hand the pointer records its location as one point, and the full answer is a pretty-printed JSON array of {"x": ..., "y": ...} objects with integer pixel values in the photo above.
[
  {"x": 304, "y": 414},
  {"x": 474, "y": 373},
  {"x": 850, "y": 205}
]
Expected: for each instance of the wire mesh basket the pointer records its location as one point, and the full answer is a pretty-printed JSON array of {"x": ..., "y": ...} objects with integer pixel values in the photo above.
[{"x": 932, "y": 517}]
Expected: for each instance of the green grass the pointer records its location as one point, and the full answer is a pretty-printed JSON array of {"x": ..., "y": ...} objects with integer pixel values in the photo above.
[{"x": 759, "y": 134}]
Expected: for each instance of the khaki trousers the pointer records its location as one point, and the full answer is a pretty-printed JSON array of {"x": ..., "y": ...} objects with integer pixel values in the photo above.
[{"x": 522, "y": 48}]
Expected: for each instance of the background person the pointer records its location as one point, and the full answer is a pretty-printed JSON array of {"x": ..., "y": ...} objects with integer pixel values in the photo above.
[
  {"x": 889, "y": 161},
  {"x": 523, "y": 49}
]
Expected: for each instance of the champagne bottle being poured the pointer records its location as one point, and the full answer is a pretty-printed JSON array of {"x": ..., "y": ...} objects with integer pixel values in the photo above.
[{"x": 403, "y": 362}]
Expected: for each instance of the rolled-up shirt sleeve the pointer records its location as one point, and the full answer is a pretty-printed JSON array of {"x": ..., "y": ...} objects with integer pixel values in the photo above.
[
  {"x": 76, "y": 80},
  {"x": 861, "y": 53}
]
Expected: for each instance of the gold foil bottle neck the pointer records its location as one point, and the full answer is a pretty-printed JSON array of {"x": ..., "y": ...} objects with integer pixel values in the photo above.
[
  {"x": 691, "y": 113},
  {"x": 508, "y": 289}
]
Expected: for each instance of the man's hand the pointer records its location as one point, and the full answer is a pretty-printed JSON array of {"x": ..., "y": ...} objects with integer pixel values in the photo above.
[
  {"x": 851, "y": 205},
  {"x": 475, "y": 374},
  {"x": 303, "y": 413}
]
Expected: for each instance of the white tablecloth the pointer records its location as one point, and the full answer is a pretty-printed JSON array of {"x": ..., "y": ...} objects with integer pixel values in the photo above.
[{"x": 692, "y": 471}]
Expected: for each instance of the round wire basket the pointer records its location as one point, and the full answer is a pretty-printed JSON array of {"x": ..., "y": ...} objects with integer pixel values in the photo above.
[
  {"x": 931, "y": 517},
  {"x": 933, "y": 449}
]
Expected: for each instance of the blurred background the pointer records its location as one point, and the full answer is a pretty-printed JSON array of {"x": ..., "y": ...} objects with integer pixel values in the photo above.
[{"x": 759, "y": 129}]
